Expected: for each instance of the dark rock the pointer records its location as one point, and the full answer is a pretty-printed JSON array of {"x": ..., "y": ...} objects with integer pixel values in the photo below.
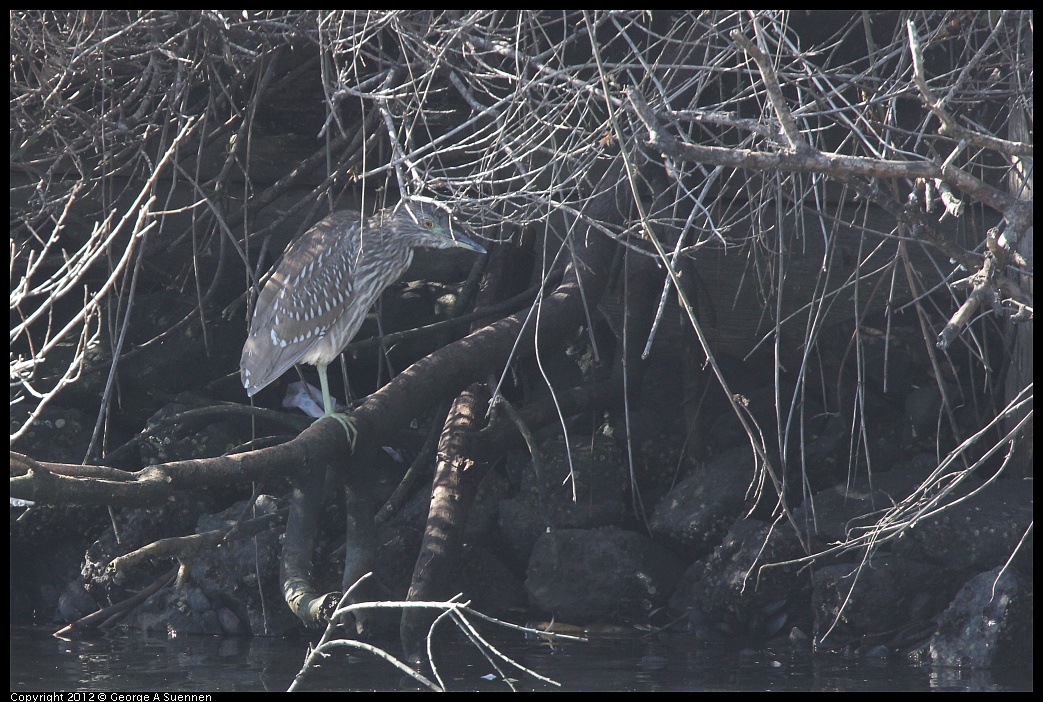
[
  {"x": 834, "y": 513},
  {"x": 230, "y": 623},
  {"x": 988, "y": 623},
  {"x": 74, "y": 603},
  {"x": 589, "y": 491},
  {"x": 59, "y": 434},
  {"x": 168, "y": 439},
  {"x": 521, "y": 527},
  {"x": 979, "y": 533},
  {"x": 697, "y": 513},
  {"x": 727, "y": 431},
  {"x": 606, "y": 574},
  {"x": 886, "y": 601},
  {"x": 727, "y": 595},
  {"x": 923, "y": 408},
  {"x": 226, "y": 577},
  {"x": 489, "y": 584}
]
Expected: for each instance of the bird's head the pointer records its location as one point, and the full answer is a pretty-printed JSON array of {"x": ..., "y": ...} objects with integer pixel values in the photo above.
[{"x": 431, "y": 225}]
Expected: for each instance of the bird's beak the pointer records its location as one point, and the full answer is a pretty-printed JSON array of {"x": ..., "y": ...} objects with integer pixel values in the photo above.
[{"x": 465, "y": 238}]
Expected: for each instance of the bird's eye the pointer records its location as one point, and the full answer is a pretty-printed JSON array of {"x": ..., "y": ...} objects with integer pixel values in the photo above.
[{"x": 428, "y": 223}]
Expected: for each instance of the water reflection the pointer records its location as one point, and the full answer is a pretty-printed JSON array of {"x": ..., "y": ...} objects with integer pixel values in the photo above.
[{"x": 131, "y": 662}]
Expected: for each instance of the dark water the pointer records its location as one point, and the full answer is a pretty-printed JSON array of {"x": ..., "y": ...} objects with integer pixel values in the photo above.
[{"x": 130, "y": 662}]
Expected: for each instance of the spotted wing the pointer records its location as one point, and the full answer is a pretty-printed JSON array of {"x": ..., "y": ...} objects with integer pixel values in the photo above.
[{"x": 302, "y": 300}]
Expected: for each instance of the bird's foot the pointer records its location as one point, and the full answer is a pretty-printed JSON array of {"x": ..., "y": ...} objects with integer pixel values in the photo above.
[{"x": 347, "y": 422}]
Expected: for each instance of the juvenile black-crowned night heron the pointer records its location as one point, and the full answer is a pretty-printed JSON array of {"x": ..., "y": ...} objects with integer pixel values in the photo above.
[{"x": 327, "y": 280}]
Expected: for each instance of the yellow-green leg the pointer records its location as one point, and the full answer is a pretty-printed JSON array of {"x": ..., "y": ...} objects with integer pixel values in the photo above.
[{"x": 327, "y": 405}]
